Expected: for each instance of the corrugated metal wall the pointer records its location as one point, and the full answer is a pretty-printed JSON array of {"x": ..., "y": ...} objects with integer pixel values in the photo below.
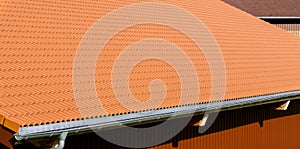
[
  {"x": 294, "y": 28},
  {"x": 257, "y": 127}
]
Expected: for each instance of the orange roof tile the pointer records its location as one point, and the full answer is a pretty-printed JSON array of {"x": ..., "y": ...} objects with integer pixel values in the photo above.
[
  {"x": 1, "y": 120},
  {"x": 11, "y": 125},
  {"x": 39, "y": 40}
]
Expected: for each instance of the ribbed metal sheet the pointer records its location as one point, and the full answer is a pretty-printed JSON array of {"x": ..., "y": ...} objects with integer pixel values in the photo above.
[{"x": 293, "y": 28}]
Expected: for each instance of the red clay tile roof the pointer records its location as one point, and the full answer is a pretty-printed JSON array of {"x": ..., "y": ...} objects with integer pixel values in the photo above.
[
  {"x": 268, "y": 7},
  {"x": 39, "y": 40}
]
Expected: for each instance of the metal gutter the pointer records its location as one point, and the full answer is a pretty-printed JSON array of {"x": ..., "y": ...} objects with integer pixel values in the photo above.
[
  {"x": 281, "y": 20},
  {"x": 279, "y": 17},
  {"x": 110, "y": 122}
]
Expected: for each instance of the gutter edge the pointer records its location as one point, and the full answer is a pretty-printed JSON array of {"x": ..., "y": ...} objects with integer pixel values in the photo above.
[{"x": 110, "y": 122}]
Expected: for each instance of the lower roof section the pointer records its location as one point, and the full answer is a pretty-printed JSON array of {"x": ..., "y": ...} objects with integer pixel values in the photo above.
[{"x": 116, "y": 121}]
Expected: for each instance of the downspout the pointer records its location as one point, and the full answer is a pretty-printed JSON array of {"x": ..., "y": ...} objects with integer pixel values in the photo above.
[{"x": 61, "y": 141}]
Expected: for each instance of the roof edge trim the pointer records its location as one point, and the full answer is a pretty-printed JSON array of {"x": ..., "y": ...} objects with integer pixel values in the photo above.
[
  {"x": 109, "y": 122},
  {"x": 2, "y": 119},
  {"x": 13, "y": 126},
  {"x": 281, "y": 20},
  {"x": 279, "y": 17}
]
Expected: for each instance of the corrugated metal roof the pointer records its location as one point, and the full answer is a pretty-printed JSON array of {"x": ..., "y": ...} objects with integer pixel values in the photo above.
[{"x": 39, "y": 40}]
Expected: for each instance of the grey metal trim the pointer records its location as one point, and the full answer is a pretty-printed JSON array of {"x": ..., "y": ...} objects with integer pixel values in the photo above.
[
  {"x": 279, "y": 17},
  {"x": 109, "y": 122}
]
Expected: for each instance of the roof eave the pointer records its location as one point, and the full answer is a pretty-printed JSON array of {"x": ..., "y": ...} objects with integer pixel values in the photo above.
[{"x": 116, "y": 121}]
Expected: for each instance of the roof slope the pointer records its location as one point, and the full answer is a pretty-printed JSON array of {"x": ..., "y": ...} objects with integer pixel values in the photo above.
[
  {"x": 39, "y": 40},
  {"x": 268, "y": 7}
]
